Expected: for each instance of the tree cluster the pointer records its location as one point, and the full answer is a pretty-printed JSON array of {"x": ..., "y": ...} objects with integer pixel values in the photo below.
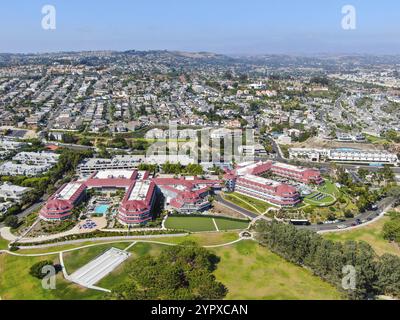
[
  {"x": 177, "y": 168},
  {"x": 374, "y": 275},
  {"x": 391, "y": 228},
  {"x": 178, "y": 273}
]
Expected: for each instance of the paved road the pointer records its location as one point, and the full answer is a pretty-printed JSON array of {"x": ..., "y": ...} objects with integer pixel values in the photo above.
[
  {"x": 382, "y": 205},
  {"x": 29, "y": 210}
]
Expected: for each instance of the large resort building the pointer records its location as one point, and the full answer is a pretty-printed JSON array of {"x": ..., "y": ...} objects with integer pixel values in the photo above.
[
  {"x": 136, "y": 207},
  {"x": 246, "y": 179},
  {"x": 186, "y": 195},
  {"x": 61, "y": 204},
  {"x": 268, "y": 190},
  {"x": 141, "y": 192}
]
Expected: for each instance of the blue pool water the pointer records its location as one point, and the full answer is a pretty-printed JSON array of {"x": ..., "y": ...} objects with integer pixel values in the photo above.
[
  {"x": 347, "y": 149},
  {"x": 102, "y": 209}
]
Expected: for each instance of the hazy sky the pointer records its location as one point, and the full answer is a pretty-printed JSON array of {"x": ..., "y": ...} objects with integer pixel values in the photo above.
[{"x": 223, "y": 26}]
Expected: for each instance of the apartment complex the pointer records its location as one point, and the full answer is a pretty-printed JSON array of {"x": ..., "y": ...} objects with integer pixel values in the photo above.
[
  {"x": 12, "y": 192},
  {"x": 29, "y": 164}
]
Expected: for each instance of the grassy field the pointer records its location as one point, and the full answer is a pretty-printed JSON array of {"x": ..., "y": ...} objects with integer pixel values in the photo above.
[
  {"x": 119, "y": 275},
  {"x": 371, "y": 234},
  {"x": 231, "y": 224},
  {"x": 198, "y": 224},
  {"x": 193, "y": 224},
  {"x": 17, "y": 283},
  {"x": 248, "y": 270},
  {"x": 213, "y": 238},
  {"x": 204, "y": 239},
  {"x": 254, "y": 205},
  {"x": 75, "y": 259},
  {"x": 376, "y": 140},
  {"x": 3, "y": 244},
  {"x": 253, "y": 272}
]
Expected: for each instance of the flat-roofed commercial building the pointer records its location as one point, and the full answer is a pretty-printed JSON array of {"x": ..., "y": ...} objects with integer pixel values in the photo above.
[
  {"x": 354, "y": 155},
  {"x": 344, "y": 155},
  {"x": 39, "y": 158},
  {"x": 90, "y": 166}
]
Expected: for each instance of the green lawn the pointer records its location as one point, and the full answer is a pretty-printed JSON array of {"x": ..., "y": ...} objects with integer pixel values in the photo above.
[
  {"x": 248, "y": 270},
  {"x": 199, "y": 224},
  {"x": 119, "y": 275},
  {"x": 254, "y": 205},
  {"x": 231, "y": 224},
  {"x": 18, "y": 284},
  {"x": 376, "y": 140},
  {"x": 78, "y": 258},
  {"x": 213, "y": 238},
  {"x": 203, "y": 239},
  {"x": 253, "y": 272},
  {"x": 371, "y": 234},
  {"x": 3, "y": 244},
  {"x": 190, "y": 223}
]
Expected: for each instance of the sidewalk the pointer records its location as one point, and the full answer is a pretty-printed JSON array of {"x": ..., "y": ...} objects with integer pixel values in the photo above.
[{"x": 7, "y": 235}]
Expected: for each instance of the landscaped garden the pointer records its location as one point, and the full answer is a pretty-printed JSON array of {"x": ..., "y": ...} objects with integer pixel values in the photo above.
[{"x": 249, "y": 203}]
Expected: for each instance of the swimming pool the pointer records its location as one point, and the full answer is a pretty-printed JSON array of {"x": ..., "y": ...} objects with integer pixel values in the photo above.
[{"x": 102, "y": 209}]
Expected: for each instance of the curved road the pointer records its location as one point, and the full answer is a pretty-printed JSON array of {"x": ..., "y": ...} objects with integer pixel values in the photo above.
[{"x": 383, "y": 205}]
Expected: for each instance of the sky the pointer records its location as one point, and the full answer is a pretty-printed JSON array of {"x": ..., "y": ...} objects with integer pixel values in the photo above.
[{"x": 246, "y": 27}]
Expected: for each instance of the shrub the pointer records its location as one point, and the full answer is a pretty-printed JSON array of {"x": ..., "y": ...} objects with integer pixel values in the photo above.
[{"x": 36, "y": 269}]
